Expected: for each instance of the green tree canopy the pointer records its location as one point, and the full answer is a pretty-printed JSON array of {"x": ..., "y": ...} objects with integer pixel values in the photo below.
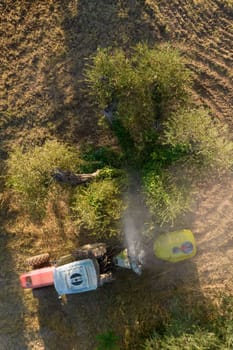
[
  {"x": 166, "y": 197},
  {"x": 146, "y": 93},
  {"x": 99, "y": 206},
  {"x": 142, "y": 87},
  {"x": 206, "y": 140},
  {"x": 30, "y": 171}
]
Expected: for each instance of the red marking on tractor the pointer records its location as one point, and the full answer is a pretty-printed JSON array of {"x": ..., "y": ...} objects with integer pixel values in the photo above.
[{"x": 37, "y": 278}]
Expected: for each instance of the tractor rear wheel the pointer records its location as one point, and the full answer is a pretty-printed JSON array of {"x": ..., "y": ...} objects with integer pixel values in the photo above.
[{"x": 37, "y": 261}]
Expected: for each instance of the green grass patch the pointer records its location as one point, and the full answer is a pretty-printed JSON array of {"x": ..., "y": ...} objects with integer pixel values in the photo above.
[{"x": 194, "y": 329}]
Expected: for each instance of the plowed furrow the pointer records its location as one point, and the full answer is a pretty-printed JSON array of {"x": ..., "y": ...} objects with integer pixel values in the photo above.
[
  {"x": 226, "y": 22},
  {"x": 219, "y": 53},
  {"x": 216, "y": 103},
  {"x": 205, "y": 75},
  {"x": 225, "y": 41},
  {"x": 226, "y": 35},
  {"x": 206, "y": 99},
  {"x": 209, "y": 64},
  {"x": 190, "y": 20},
  {"x": 205, "y": 16},
  {"x": 214, "y": 92},
  {"x": 198, "y": 53},
  {"x": 168, "y": 14}
]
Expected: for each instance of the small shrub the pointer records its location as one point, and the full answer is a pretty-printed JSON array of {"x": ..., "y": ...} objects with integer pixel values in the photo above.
[
  {"x": 98, "y": 207},
  {"x": 29, "y": 172},
  {"x": 97, "y": 158},
  {"x": 164, "y": 156},
  {"x": 206, "y": 141},
  {"x": 108, "y": 341},
  {"x": 198, "y": 339},
  {"x": 112, "y": 173},
  {"x": 165, "y": 198}
]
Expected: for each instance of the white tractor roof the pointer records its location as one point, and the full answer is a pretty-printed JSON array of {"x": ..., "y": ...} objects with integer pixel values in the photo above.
[{"x": 76, "y": 277}]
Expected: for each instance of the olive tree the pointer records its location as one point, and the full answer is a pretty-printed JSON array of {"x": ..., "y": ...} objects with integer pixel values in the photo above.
[
  {"x": 29, "y": 172},
  {"x": 139, "y": 88},
  {"x": 166, "y": 196},
  {"x": 98, "y": 207},
  {"x": 207, "y": 141}
]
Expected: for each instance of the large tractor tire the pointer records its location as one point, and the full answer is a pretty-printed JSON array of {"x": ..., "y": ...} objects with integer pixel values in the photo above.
[{"x": 38, "y": 261}]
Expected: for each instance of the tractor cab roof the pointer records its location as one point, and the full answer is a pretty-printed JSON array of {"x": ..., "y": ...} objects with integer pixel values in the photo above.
[{"x": 76, "y": 277}]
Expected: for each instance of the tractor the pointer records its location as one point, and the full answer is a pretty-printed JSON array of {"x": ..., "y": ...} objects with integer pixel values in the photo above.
[
  {"x": 86, "y": 269},
  {"x": 91, "y": 265}
]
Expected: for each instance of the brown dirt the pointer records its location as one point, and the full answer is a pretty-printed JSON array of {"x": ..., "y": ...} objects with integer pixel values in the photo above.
[
  {"x": 213, "y": 226},
  {"x": 44, "y": 45}
]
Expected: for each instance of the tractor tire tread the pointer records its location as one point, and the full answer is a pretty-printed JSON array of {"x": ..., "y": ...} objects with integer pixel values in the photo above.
[{"x": 38, "y": 260}]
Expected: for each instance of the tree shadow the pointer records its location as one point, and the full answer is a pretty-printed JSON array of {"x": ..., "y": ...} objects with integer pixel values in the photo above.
[
  {"x": 12, "y": 309},
  {"x": 131, "y": 306},
  {"x": 88, "y": 25}
]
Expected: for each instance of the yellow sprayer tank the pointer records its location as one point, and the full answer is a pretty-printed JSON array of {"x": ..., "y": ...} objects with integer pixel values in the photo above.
[{"x": 175, "y": 246}]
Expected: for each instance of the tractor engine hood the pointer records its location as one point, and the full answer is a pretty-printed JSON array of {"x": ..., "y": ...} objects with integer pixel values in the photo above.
[
  {"x": 125, "y": 260},
  {"x": 76, "y": 277}
]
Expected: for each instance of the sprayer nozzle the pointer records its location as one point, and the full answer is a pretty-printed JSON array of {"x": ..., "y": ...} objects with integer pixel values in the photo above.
[{"x": 136, "y": 266}]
